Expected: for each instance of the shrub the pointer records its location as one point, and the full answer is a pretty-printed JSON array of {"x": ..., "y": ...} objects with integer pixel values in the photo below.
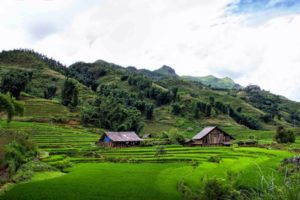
[
  {"x": 62, "y": 164},
  {"x": 175, "y": 137},
  {"x": 217, "y": 189},
  {"x": 186, "y": 191},
  {"x": 215, "y": 159},
  {"x": 160, "y": 150},
  {"x": 284, "y": 136},
  {"x": 18, "y": 152}
]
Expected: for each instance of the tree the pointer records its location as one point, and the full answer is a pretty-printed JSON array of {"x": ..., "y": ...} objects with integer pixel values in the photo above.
[
  {"x": 208, "y": 110},
  {"x": 267, "y": 118},
  {"x": 164, "y": 97},
  {"x": 69, "y": 93},
  {"x": 112, "y": 114},
  {"x": 175, "y": 95},
  {"x": 50, "y": 92},
  {"x": 212, "y": 101},
  {"x": 149, "y": 111},
  {"x": 284, "y": 136},
  {"x": 15, "y": 82},
  {"x": 11, "y": 107},
  {"x": 176, "y": 108},
  {"x": 239, "y": 109}
]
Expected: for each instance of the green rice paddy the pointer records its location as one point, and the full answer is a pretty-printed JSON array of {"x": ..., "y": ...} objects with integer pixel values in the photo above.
[{"x": 137, "y": 172}]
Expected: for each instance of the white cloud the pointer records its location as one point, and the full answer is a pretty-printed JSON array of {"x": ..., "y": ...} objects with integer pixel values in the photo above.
[{"x": 195, "y": 37}]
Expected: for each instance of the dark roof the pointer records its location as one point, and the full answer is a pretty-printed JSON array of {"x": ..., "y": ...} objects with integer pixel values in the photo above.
[
  {"x": 206, "y": 131},
  {"x": 123, "y": 136}
]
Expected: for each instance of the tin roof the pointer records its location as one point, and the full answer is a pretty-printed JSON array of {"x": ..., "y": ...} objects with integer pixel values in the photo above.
[
  {"x": 123, "y": 136},
  {"x": 206, "y": 131}
]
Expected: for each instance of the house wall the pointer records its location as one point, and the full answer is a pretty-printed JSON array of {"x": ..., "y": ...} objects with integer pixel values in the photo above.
[{"x": 119, "y": 144}]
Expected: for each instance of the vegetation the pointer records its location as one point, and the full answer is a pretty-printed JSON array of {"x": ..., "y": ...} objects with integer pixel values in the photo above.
[
  {"x": 18, "y": 152},
  {"x": 50, "y": 92},
  {"x": 15, "y": 82},
  {"x": 284, "y": 136},
  {"x": 53, "y": 148},
  {"x": 11, "y": 107},
  {"x": 69, "y": 94}
]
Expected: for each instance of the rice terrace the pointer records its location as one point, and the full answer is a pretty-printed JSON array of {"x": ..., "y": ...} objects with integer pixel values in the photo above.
[{"x": 150, "y": 100}]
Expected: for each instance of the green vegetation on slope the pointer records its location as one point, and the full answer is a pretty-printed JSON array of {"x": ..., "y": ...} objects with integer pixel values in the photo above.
[{"x": 214, "y": 82}]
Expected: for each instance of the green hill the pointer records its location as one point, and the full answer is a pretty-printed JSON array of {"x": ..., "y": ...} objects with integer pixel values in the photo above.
[
  {"x": 45, "y": 72},
  {"x": 214, "y": 82},
  {"x": 184, "y": 103}
]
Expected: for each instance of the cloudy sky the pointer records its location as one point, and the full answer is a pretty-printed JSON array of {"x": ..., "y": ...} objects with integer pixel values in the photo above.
[{"x": 251, "y": 41}]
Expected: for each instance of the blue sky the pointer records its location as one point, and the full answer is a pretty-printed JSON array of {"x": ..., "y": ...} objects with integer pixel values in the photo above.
[
  {"x": 252, "y": 6},
  {"x": 252, "y": 41}
]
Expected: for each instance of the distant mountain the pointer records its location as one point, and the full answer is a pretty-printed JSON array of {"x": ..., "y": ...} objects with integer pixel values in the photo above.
[
  {"x": 163, "y": 72},
  {"x": 214, "y": 82},
  {"x": 166, "y": 71}
]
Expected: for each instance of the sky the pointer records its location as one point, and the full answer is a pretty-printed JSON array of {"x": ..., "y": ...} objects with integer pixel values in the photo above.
[{"x": 250, "y": 41}]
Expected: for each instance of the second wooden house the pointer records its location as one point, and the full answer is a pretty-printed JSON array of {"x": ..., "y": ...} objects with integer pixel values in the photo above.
[{"x": 212, "y": 136}]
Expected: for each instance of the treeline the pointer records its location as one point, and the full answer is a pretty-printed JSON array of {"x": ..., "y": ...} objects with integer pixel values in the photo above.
[
  {"x": 86, "y": 74},
  {"x": 147, "y": 89},
  {"x": 117, "y": 110},
  {"x": 16, "y": 81},
  {"x": 238, "y": 116},
  {"x": 26, "y": 56}
]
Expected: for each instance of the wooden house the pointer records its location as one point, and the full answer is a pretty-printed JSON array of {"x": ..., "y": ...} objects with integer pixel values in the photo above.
[
  {"x": 212, "y": 136},
  {"x": 119, "y": 139}
]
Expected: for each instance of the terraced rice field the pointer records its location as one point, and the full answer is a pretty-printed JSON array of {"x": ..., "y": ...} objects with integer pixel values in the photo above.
[
  {"x": 144, "y": 180},
  {"x": 134, "y": 173}
]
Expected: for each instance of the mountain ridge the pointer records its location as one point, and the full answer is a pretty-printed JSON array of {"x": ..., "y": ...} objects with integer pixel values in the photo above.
[{"x": 249, "y": 106}]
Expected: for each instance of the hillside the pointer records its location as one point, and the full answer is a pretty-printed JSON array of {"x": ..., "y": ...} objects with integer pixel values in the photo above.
[
  {"x": 45, "y": 72},
  {"x": 184, "y": 103},
  {"x": 214, "y": 82}
]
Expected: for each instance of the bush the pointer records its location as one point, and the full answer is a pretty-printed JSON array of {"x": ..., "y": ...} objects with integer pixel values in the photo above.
[
  {"x": 284, "y": 136},
  {"x": 186, "y": 191},
  {"x": 62, "y": 164},
  {"x": 175, "y": 137},
  {"x": 216, "y": 189},
  {"x": 18, "y": 152},
  {"x": 160, "y": 150},
  {"x": 215, "y": 159}
]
